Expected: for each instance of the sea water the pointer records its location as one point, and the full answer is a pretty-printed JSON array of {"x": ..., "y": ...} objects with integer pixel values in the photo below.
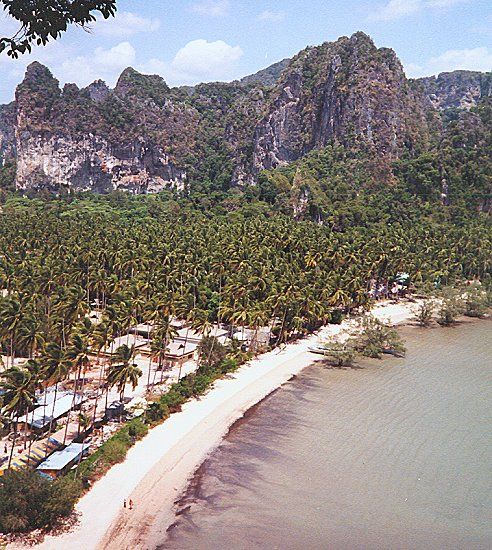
[{"x": 394, "y": 454}]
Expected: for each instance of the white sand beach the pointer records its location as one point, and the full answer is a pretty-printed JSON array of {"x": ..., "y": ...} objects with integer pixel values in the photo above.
[{"x": 158, "y": 468}]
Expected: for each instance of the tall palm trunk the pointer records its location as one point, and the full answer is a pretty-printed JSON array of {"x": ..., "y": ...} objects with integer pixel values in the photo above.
[
  {"x": 12, "y": 349},
  {"x": 184, "y": 351},
  {"x": 282, "y": 327},
  {"x": 101, "y": 370},
  {"x": 13, "y": 441},
  {"x": 50, "y": 430},
  {"x": 72, "y": 404}
]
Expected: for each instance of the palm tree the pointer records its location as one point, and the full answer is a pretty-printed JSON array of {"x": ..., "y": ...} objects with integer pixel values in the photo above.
[
  {"x": 18, "y": 386},
  {"x": 123, "y": 369},
  {"x": 77, "y": 355},
  {"x": 10, "y": 319},
  {"x": 55, "y": 368}
]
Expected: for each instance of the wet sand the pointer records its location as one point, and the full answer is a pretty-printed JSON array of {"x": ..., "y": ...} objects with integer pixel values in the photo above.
[{"x": 394, "y": 455}]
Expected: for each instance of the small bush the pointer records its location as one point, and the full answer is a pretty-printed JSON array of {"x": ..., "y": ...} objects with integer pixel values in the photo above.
[
  {"x": 173, "y": 400},
  {"x": 156, "y": 412},
  {"x": 336, "y": 317},
  {"x": 340, "y": 355},
  {"x": 476, "y": 302},
  {"x": 137, "y": 429},
  {"x": 114, "y": 451},
  {"x": 228, "y": 365},
  {"x": 425, "y": 313},
  {"x": 376, "y": 337},
  {"x": 202, "y": 382}
]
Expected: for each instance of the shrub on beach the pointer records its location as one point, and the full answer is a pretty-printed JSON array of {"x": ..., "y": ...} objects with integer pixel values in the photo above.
[
  {"x": 476, "y": 302},
  {"x": 336, "y": 317},
  {"x": 373, "y": 338},
  {"x": 340, "y": 355},
  {"x": 451, "y": 306},
  {"x": 425, "y": 313},
  {"x": 114, "y": 451}
]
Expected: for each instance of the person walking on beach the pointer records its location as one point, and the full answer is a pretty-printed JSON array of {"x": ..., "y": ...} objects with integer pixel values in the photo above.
[
  {"x": 124, "y": 503},
  {"x": 131, "y": 504}
]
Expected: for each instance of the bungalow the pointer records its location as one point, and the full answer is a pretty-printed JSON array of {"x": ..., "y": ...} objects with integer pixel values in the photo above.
[
  {"x": 41, "y": 417},
  {"x": 145, "y": 329},
  {"x": 61, "y": 461},
  {"x": 126, "y": 340},
  {"x": 179, "y": 352},
  {"x": 251, "y": 337},
  {"x": 187, "y": 334}
]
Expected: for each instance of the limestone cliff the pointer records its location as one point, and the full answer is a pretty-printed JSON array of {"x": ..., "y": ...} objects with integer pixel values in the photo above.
[
  {"x": 459, "y": 89},
  {"x": 78, "y": 139},
  {"x": 349, "y": 92},
  {"x": 143, "y": 136},
  {"x": 7, "y": 133}
]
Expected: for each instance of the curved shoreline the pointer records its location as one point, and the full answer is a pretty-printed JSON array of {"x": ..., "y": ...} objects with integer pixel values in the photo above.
[{"x": 158, "y": 468}]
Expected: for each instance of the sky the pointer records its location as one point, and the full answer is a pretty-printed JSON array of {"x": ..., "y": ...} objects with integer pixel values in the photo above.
[{"x": 191, "y": 41}]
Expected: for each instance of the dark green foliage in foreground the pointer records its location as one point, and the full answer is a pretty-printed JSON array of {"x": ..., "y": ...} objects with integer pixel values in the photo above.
[
  {"x": 28, "y": 501},
  {"x": 7, "y": 176},
  {"x": 43, "y": 20}
]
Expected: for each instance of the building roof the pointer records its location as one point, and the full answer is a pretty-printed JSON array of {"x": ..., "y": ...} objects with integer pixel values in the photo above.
[
  {"x": 42, "y": 416},
  {"x": 125, "y": 340},
  {"x": 246, "y": 334},
  {"x": 39, "y": 450},
  {"x": 60, "y": 459},
  {"x": 178, "y": 349},
  {"x": 194, "y": 335}
]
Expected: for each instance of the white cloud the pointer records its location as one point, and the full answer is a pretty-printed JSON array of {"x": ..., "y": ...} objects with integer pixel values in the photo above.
[
  {"x": 200, "y": 59},
  {"x": 104, "y": 64},
  {"x": 443, "y": 3},
  {"x": 154, "y": 66},
  {"x": 119, "y": 56},
  {"x": 396, "y": 9},
  {"x": 124, "y": 24},
  {"x": 271, "y": 16},
  {"x": 214, "y": 8},
  {"x": 474, "y": 59}
]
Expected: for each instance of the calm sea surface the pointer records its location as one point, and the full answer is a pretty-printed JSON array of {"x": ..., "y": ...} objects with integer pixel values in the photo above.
[{"x": 394, "y": 455}]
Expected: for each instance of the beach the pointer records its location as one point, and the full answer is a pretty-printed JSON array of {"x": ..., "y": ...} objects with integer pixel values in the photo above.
[{"x": 157, "y": 469}]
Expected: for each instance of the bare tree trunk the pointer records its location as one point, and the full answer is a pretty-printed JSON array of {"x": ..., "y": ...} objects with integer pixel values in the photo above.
[
  {"x": 101, "y": 368},
  {"x": 13, "y": 441},
  {"x": 51, "y": 420},
  {"x": 72, "y": 404}
]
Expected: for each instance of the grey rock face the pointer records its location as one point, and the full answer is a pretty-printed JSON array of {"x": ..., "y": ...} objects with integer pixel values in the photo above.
[
  {"x": 98, "y": 91},
  {"x": 58, "y": 144},
  {"x": 348, "y": 91},
  {"x": 143, "y": 136},
  {"x": 458, "y": 89},
  {"x": 92, "y": 164},
  {"x": 7, "y": 133},
  {"x": 267, "y": 77}
]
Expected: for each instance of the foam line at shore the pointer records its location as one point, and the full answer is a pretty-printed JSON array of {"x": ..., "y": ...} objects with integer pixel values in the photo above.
[{"x": 158, "y": 468}]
